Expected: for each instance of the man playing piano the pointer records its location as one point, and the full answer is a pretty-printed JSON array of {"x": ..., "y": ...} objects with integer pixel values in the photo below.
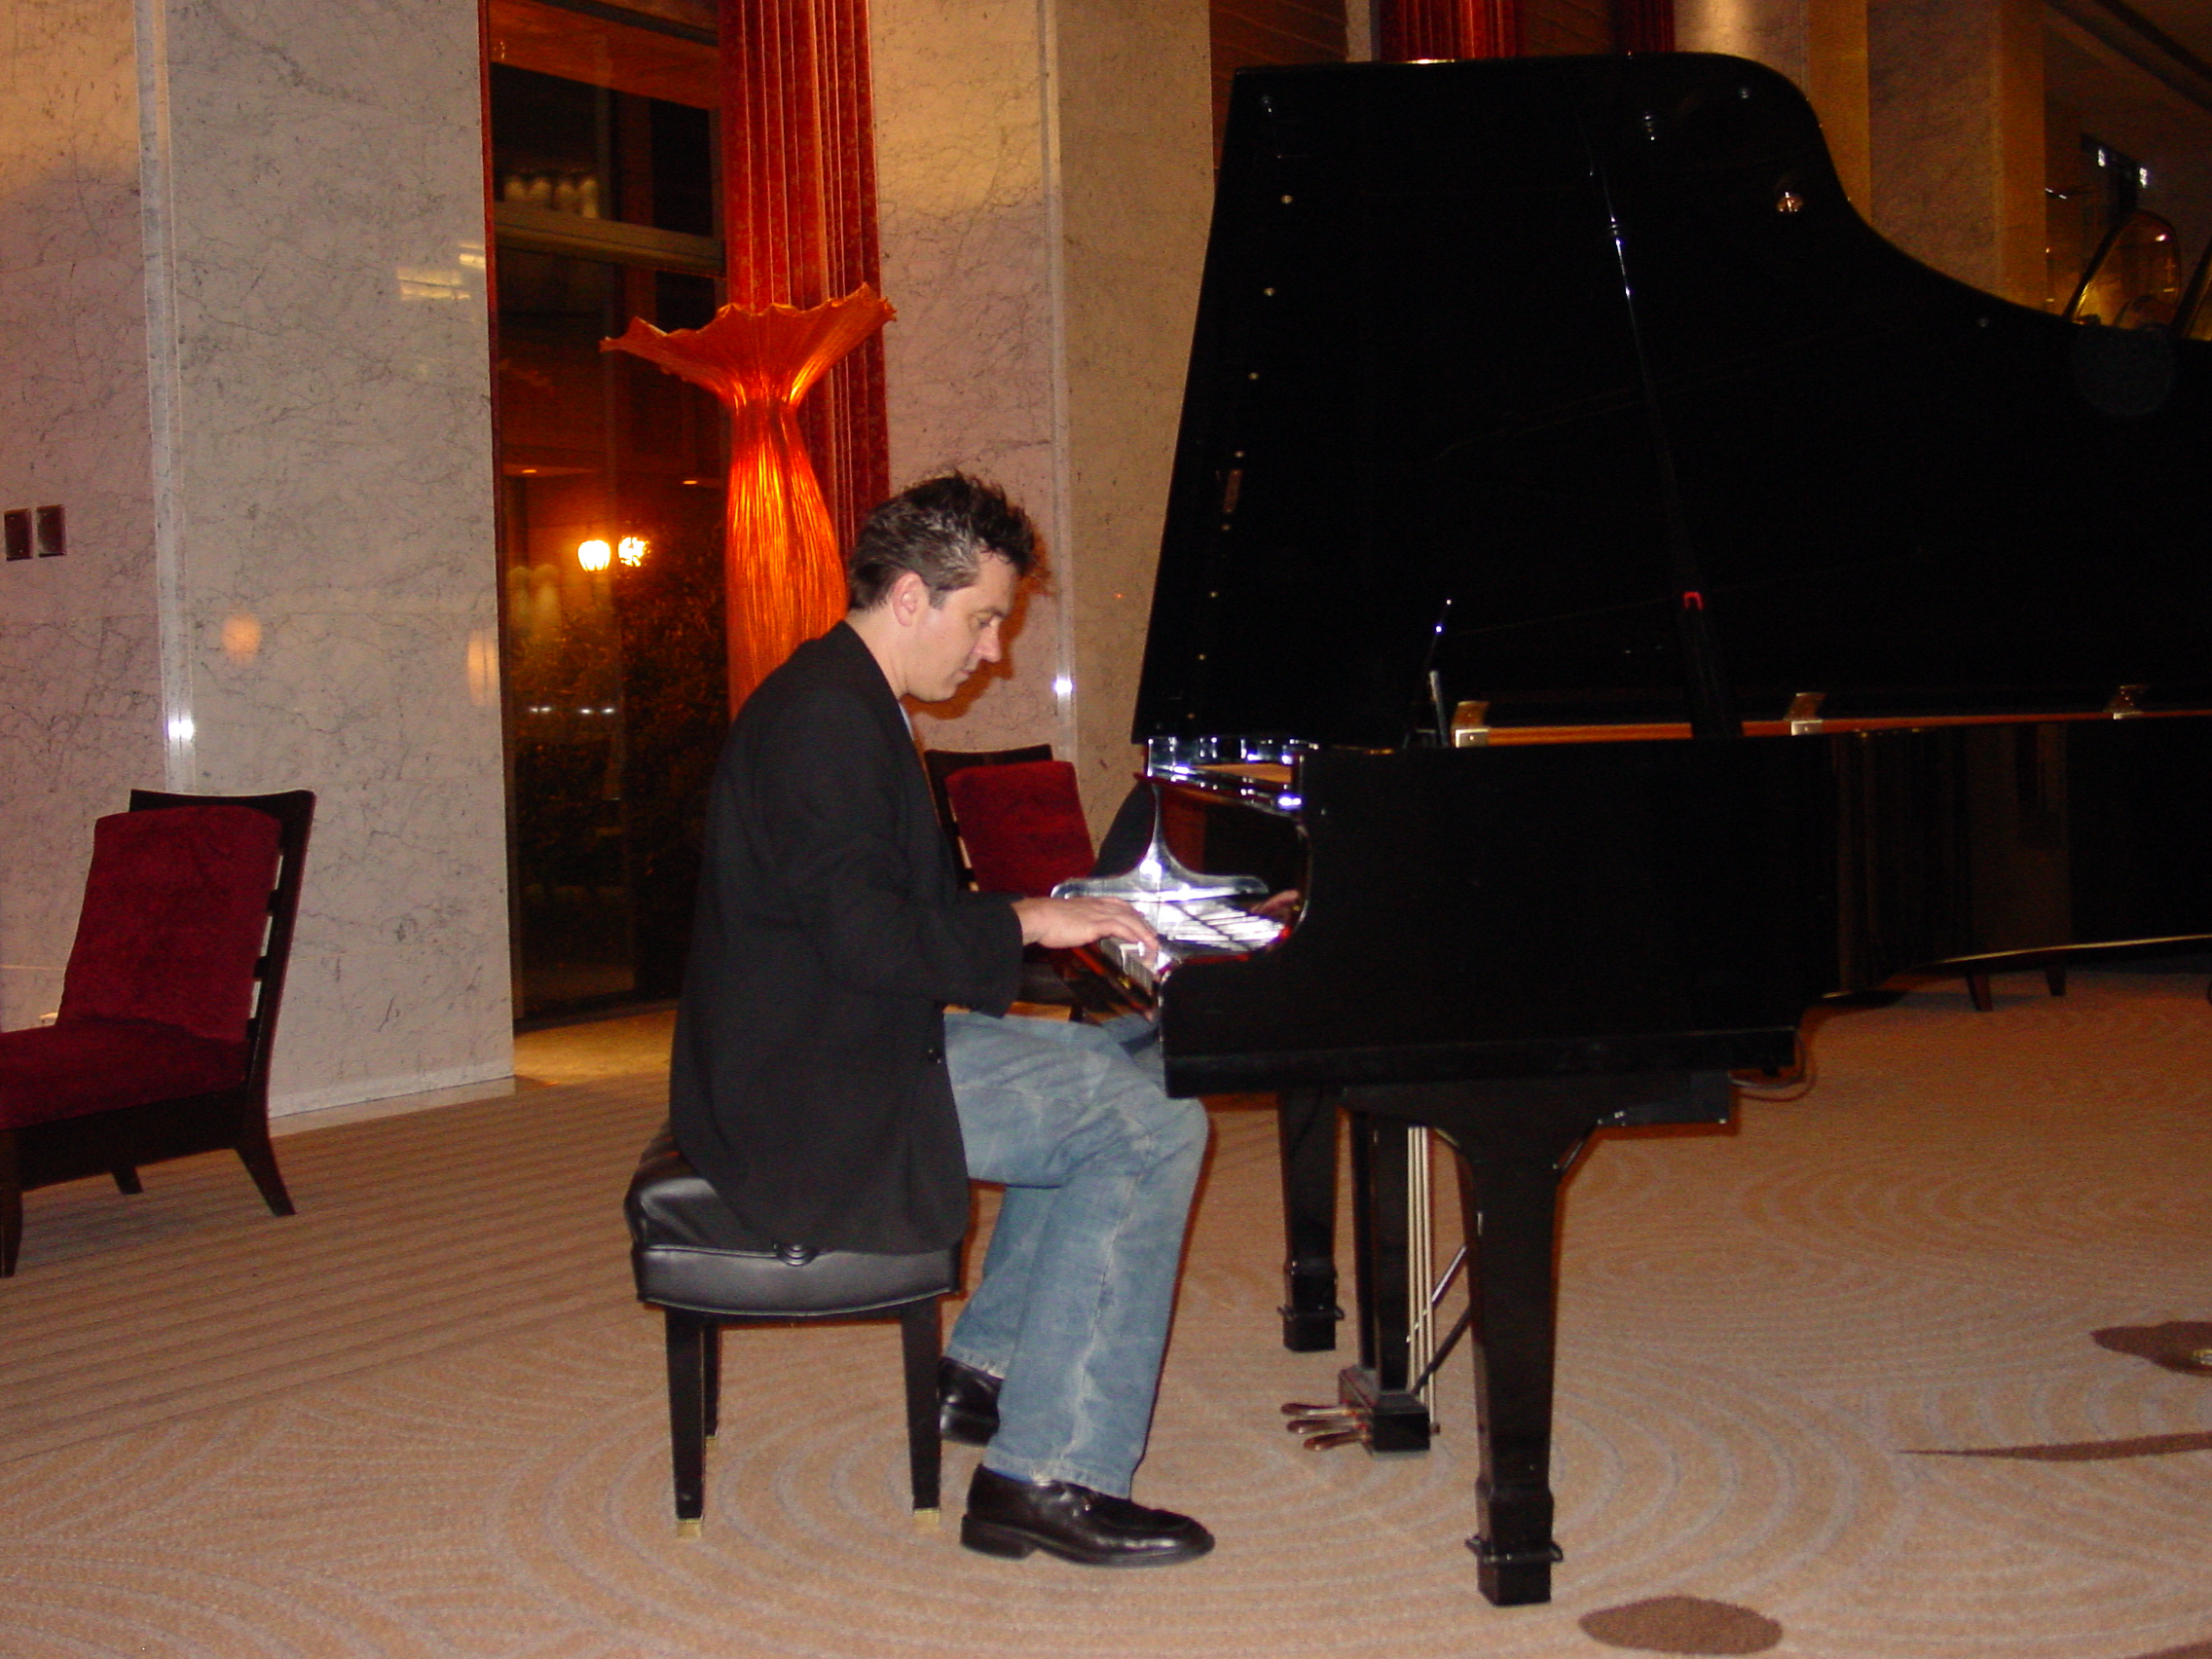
[{"x": 819, "y": 1085}]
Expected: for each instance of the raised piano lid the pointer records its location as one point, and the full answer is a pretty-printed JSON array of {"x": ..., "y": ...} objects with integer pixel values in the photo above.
[{"x": 1460, "y": 319}]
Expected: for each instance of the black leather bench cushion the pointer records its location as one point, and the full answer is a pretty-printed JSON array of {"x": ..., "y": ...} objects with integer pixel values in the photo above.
[{"x": 688, "y": 1251}]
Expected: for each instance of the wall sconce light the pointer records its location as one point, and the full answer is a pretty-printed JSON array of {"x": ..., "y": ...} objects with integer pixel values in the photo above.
[
  {"x": 631, "y": 550},
  {"x": 594, "y": 555}
]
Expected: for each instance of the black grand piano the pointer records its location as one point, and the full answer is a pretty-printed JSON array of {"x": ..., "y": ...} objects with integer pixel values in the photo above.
[{"x": 1631, "y": 600}]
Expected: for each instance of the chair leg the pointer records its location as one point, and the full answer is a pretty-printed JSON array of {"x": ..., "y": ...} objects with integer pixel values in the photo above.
[
  {"x": 260, "y": 1161},
  {"x": 1978, "y": 987},
  {"x": 687, "y": 1335},
  {"x": 2055, "y": 975},
  {"x": 918, "y": 1330},
  {"x": 710, "y": 1370},
  {"x": 126, "y": 1180},
  {"x": 10, "y": 1204}
]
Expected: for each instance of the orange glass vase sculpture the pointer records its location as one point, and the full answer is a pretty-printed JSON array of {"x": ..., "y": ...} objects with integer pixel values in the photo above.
[{"x": 782, "y": 571}]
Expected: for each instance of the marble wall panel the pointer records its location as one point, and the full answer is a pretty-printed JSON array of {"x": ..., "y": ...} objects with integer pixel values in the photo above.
[
  {"x": 1136, "y": 178},
  {"x": 330, "y": 477},
  {"x": 68, "y": 132},
  {"x": 79, "y": 649},
  {"x": 1956, "y": 94},
  {"x": 1773, "y": 32},
  {"x": 962, "y": 182}
]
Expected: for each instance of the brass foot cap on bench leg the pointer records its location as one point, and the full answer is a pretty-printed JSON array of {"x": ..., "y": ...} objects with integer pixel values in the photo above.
[
  {"x": 691, "y": 1528},
  {"x": 928, "y": 1521}
]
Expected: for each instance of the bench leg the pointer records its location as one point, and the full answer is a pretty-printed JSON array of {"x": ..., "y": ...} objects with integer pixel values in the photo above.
[
  {"x": 10, "y": 1204},
  {"x": 710, "y": 1370},
  {"x": 687, "y": 1337},
  {"x": 918, "y": 1329}
]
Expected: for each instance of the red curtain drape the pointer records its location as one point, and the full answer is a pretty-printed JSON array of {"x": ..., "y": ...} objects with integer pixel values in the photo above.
[
  {"x": 1409, "y": 29},
  {"x": 798, "y": 211},
  {"x": 1644, "y": 25}
]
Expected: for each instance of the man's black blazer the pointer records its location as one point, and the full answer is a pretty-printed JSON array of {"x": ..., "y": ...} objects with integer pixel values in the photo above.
[{"x": 808, "y": 1082}]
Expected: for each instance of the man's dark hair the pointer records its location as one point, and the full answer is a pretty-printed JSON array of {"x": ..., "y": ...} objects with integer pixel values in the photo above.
[{"x": 941, "y": 530}]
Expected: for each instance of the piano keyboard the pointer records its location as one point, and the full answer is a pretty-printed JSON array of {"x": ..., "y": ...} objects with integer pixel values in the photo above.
[{"x": 1187, "y": 928}]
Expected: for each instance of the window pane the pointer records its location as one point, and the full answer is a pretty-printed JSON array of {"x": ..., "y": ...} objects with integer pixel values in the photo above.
[{"x": 614, "y": 673}]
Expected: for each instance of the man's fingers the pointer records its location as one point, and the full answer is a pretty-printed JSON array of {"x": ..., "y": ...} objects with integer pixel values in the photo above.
[
  {"x": 1062, "y": 924},
  {"x": 1118, "y": 920}
]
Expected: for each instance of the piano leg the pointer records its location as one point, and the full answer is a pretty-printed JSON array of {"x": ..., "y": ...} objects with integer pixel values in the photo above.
[
  {"x": 1517, "y": 1139},
  {"x": 1379, "y": 1386},
  {"x": 1307, "y": 1122},
  {"x": 1514, "y": 1191}
]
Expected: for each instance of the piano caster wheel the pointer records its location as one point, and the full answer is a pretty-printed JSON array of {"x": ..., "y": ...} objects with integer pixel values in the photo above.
[
  {"x": 1305, "y": 1331},
  {"x": 1514, "y": 1578}
]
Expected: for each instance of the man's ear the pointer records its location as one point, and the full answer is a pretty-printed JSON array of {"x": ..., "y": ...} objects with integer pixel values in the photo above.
[{"x": 909, "y": 595}]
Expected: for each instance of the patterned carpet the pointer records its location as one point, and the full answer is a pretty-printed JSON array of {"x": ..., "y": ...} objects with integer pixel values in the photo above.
[{"x": 1902, "y": 1369}]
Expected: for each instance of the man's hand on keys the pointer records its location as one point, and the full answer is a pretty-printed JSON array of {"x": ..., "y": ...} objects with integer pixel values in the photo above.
[{"x": 1062, "y": 924}]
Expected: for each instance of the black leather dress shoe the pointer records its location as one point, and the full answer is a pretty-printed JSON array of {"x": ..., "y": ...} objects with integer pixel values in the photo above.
[
  {"x": 1012, "y": 1517},
  {"x": 967, "y": 1403}
]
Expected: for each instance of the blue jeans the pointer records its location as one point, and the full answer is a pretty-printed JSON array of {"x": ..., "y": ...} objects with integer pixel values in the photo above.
[{"x": 1079, "y": 1282}]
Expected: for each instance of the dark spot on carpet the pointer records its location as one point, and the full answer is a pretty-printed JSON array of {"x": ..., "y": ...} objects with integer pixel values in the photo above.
[
  {"x": 2082, "y": 1450},
  {"x": 2193, "y": 1650},
  {"x": 2178, "y": 1344},
  {"x": 1681, "y": 1624}
]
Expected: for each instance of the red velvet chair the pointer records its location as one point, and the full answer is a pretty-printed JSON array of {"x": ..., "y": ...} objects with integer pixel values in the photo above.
[
  {"x": 941, "y": 763},
  {"x": 1022, "y": 826},
  {"x": 169, "y": 1006},
  {"x": 1019, "y": 821}
]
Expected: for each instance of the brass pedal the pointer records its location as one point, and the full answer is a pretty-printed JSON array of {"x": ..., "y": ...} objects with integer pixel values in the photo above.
[
  {"x": 1324, "y": 1427},
  {"x": 1361, "y": 1435}
]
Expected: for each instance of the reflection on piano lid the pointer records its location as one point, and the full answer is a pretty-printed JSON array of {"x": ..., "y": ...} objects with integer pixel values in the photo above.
[
  {"x": 1192, "y": 914},
  {"x": 1188, "y": 928},
  {"x": 1502, "y": 367},
  {"x": 1159, "y": 875},
  {"x": 1258, "y": 771}
]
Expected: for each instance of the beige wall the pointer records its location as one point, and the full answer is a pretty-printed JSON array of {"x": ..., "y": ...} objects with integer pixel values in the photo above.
[
  {"x": 1045, "y": 179},
  {"x": 1958, "y": 156},
  {"x": 1136, "y": 170}
]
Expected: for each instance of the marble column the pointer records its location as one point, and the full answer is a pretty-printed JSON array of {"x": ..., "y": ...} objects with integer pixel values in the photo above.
[
  {"x": 260, "y": 275},
  {"x": 1043, "y": 182},
  {"x": 1956, "y": 88}
]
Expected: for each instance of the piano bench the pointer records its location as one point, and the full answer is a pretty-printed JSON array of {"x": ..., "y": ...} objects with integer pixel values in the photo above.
[{"x": 696, "y": 1262}]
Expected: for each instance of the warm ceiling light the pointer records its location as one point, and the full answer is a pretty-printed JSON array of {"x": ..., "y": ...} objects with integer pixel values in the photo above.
[
  {"x": 631, "y": 550},
  {"x": 594, "y": 555}
]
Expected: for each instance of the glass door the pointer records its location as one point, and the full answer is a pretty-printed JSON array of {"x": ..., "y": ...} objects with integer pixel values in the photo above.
[{"x": 611, "y": 508}]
